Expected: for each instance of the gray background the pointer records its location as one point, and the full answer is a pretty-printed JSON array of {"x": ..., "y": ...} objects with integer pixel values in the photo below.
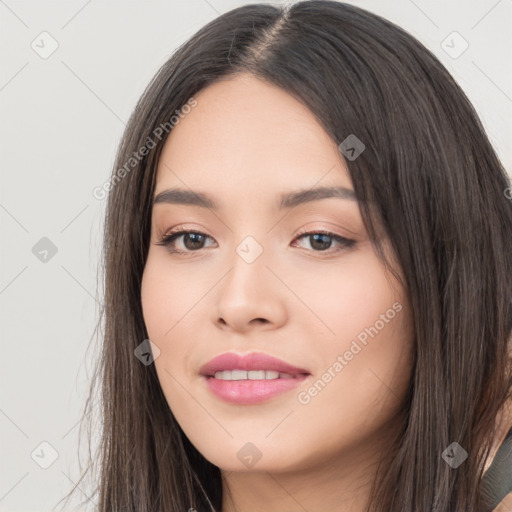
[{"x": 61, "y": 120}]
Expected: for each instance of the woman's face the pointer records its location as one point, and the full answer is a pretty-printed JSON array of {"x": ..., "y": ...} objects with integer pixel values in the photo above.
[{"x": 249, "y": 282}]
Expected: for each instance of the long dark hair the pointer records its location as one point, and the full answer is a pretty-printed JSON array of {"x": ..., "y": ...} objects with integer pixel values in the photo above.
[{"x": 428, "y": 179}]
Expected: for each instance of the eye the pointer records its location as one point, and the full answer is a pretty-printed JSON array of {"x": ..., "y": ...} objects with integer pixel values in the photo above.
[
  {"x": 193, "y": 241},
  {"x": 321, "y": 241}
]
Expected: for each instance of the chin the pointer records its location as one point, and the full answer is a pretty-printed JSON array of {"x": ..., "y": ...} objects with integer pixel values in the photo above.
[{"x": 255, "y": 457}]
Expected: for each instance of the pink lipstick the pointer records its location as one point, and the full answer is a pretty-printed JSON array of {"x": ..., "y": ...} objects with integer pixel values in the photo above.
[{"x": 251, "y": 378}]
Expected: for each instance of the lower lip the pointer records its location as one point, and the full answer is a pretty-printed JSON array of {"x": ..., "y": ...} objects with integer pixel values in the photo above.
[{"x": 246, "y": 392}]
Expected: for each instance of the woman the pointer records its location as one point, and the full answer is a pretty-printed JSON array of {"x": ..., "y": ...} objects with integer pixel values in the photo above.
[{"x": 308, "y": 251}]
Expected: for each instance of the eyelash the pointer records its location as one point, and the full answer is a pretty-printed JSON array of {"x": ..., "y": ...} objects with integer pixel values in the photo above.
[{"x": 171, "y": 236}]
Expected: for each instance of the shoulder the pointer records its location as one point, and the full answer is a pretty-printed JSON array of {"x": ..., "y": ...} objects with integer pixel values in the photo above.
[
  {"x": 496, "y": 486},
  {"x": 505, "y": 505}
]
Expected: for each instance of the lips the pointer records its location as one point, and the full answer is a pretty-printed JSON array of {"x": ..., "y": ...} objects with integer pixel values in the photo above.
[
  {"x": 284, "y": 378},
  {"x": 248, "y": 362}
]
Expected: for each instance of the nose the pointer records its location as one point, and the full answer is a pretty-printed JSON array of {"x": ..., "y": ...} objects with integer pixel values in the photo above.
[{"x": 250, "y": 297}]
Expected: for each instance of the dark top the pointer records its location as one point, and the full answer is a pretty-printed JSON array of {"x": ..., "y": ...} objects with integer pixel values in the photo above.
[{"x": 497, "y": 480}]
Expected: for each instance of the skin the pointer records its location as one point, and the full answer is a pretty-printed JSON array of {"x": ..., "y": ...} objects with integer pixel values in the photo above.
[
  {"x": 505, "y": 505},
  {"x": 245, "y": 143}
]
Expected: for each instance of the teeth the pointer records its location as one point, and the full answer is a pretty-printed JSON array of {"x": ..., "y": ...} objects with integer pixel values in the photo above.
[{"x": 251, "y": 375}]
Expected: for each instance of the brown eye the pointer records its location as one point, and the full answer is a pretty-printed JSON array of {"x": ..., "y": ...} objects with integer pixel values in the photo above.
[
  {"x": 321, "y": 241},
  {"x": 192, "y": 241}
]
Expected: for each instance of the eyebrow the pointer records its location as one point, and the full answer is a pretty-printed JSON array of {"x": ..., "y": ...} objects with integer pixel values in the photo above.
[{"x": 287, "y": 200}]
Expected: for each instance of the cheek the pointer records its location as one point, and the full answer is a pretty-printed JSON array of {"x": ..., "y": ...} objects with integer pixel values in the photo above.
[
  {"x": 167, "y": 297},
  {"x": 154, "y": 298},
  {"x": 365, "y": 353},
  {"x": 174, "y": 306},
  {"x": 165, "y": 302},
  {"x": 344, "y": 297},
  {"x": 361, "y": 387}
]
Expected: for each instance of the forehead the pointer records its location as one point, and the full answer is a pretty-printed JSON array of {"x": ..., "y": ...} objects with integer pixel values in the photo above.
[{"x": 246, "y": 134}]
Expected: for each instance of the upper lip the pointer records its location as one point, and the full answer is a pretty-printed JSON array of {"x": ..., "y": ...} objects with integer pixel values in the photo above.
[{"x": 252, "y": 361}]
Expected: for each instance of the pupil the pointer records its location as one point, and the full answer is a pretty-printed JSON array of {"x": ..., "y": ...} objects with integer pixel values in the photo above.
[
  {"x": 323, "y": 244},
  {"x": 196, "y": 240}
]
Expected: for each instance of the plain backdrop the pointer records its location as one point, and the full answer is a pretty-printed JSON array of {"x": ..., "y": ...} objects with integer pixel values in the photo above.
[{"x": 62, "y": 115}]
